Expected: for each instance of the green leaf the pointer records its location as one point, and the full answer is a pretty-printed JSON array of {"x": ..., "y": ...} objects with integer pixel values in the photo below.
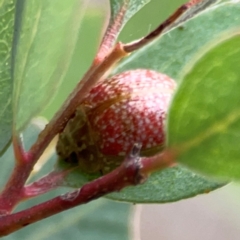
[
  {"x": 131, "y": 6},
  {"x": 101, "y": 219},
  {"x": 183, "y": 42},
  {"x": 7, "y": 10},
  {"x": 204, "y": 120},
  {"x": 167, "y": 186},
  {"x": 45, "y": 37}
]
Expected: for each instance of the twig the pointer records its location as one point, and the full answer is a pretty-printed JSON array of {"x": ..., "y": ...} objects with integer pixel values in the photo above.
[
  {"x": 21, "y": 156},
  {"x": 197, "y": 5},
  {"x": 45, "y": 184},
  {"x": 12, "y": 192},
  {"x": 132, "y": 172},
  {"x": 112, "y": 32}
]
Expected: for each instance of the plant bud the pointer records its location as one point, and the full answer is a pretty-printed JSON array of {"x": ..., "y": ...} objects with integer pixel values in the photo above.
[{"x": 124, "y": 109}]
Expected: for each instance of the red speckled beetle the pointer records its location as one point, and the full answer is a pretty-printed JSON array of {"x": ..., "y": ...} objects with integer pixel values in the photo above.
[{"x": 119, "y": 111}]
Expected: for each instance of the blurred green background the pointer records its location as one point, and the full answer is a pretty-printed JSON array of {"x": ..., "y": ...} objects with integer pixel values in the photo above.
[{"x": 89, "y": 36}]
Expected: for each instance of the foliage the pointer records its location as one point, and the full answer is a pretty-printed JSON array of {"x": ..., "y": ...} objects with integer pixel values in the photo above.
[{"x": 38, "y": 40}]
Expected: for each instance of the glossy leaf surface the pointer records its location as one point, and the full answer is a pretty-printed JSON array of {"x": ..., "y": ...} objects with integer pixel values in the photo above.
[
  {"x": 44, "y": 40},
  {"x": 204, "y": 121}
]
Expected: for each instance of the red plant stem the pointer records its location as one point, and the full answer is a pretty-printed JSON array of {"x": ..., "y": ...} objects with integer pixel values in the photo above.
[
  {"x": 132, "y": 172},
  {"x": 125, "y": 175},
  {"x": 112, "y": 32},
  {"x": 48, "y": 182},
  {"x": 130, "y": 47},
  {"x": 12, "y": 192},
  {"x": 159, "y": 161},
  {"x": 19, "y": 153}
]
